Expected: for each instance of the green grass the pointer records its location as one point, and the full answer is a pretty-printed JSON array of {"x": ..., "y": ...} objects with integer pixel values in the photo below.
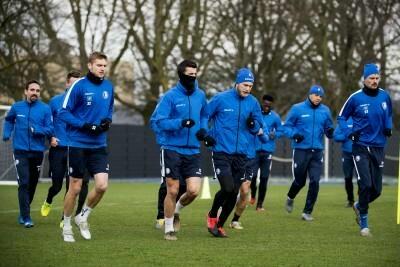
[{"x": 123, "y": 233}]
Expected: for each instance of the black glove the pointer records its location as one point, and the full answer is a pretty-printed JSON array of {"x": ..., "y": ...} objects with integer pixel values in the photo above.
[
  {"x": 354, "y": 137},
  {"x": 298, "y": 138},
  {"x": 209, "y": 141},
  {"x": 251, "y": 123},
  {"x": 92, "y": 128},
  {"x": 387, "y": 132},
  {"x": 201, "y": 134},
  {"x": 105, "y": 124},
  {"x": 329, "y": 132},
  {"x": 188, "y": 123},
  {"x": 271, "y": 135}
]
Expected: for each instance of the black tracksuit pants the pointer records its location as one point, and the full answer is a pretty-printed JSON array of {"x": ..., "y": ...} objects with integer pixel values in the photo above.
[
  {"x": 306, "y": 161},
  {"x": 230, "y": 172},
  {"x": 348, "y": 170},
  {"x": 369, "y": 163},
  {"x": 28, "y": 164}
]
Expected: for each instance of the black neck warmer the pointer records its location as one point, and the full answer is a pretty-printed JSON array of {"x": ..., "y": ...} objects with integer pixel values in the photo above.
[
  {"x": 370, "y": 92},
  {"x": 312, "y": 104},
  {"x": 93, "y": 78},
  {"x": 188, "y": 82}
]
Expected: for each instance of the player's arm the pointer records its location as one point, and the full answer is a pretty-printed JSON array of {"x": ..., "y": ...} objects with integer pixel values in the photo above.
[
  {"x": 71, "y": 100},
  {"x": 9, "y": 123},
  {"x": 345, "y": 113},
  {"x": 328, "y": 124},
  {"x": 258, "y": 120},
  {"x": 46, "y": 126},
  {"x": 162, "y": 117},
  {"x": 288, "y": 127}
]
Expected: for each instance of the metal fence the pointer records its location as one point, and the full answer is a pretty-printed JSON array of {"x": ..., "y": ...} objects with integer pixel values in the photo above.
[{"x": 133, "y": 153}]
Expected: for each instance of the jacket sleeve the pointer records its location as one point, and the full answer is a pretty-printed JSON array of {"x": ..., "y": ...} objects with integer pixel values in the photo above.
[
  {"x": 71, "y": 101},
  {"x": 258, "y": 118},
  {"x": 328, "y": 123},
  {"x": 9, "y": 123},
  {"x": 289, "y": 128},
  {"x": 389, "y": 116},
  {"x": 163, "y": 113},
  {"x": 345, "y": 113},
  {"x": 339, "y": 135},
  {"x": 279, "y": 129},
  {"x": 204, "y": 114},
  {"x": 111, "y": 107},
  {"x": 46, "y": 128}
]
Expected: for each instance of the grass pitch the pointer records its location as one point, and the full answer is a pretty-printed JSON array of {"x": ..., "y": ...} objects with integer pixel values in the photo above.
[{"x": 123, "y": 233}]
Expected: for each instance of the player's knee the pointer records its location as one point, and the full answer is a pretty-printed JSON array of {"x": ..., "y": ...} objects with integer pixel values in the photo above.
[
  {"x": 172, "y": 191},
  {"x": 102, "y": 187},
  {"x": 193, "y": 192}
]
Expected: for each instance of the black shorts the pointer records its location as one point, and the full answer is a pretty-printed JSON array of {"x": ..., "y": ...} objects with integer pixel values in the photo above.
[
  {"x": 227, "y": 165},
  {"x": 95, "y": 160},
  {"x": 251, "y": 169},
  {"x": 179, "y": 166}
]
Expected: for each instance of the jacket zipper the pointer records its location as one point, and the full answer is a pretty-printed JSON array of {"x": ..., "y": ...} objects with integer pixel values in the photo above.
[
  {"x": 188, "y": 135},
  {"x": 29, "y": 133},
  {"x": 313, "y": 125},
  {"x": 237, "y": 132}
]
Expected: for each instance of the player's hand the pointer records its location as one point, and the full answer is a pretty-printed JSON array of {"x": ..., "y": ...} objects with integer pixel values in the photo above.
[
  {"x": 209, "y": 141},
  {"x": 387, "y": 132},
  {"x": 298, "y": 138},
  {"x": 92, "y": 128},
  {"x": 201, "y": 134},
  {"x": 329, "y": 132},
  {"x": 355, "y": 137},
  {"x": 271, "y": 135},
  {"x": 188, "y": 123},
  {"x": 54, "y": 141},
  {"x": 105, "y": 124},
  {"x": 250, "y": 122}
]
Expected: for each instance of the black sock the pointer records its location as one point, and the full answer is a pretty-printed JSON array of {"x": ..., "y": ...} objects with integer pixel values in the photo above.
[{"x": 235, "y": 218}]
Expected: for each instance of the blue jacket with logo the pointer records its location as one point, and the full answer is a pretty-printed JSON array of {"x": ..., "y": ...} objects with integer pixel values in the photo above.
[
  {"x": 370, "y": 114},
  {"x": 228, "y": 112},
  {"x": 60, "y": 131},
  {"x": 272, "y": 122},
  {"x": 175, "y": 106},
  {"x": 309, "y": 121},
  {"x": 24, "y": 117},
  {"x": 86, "y": 102},
  {"x": 341, "y": 135},
  {"x": 154, "y": 127}
]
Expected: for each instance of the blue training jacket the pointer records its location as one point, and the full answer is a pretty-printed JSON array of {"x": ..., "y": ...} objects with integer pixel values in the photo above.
[
  {"x": 175, "y": 106},
  {"x": 272, "y": 122},
  {"x": 154, "y": 127},
  {"x": 311, "y": 122},
  {"x": 341, "y": 135},
  {"x": 86, "y": 102},
  {"x": 370, "y": 114},
  {"x": 60, "y": 131},
  {"x": 228, "y": 112},
  {"x": 21, "y": 119}
]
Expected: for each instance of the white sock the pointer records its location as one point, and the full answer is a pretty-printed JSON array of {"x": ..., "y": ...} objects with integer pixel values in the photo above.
[
  {"x": 85, "y": 212},
  {"x": 178, "y": 207},
  {"x": 169, "y": 224},
  {"x": 67, "y": 221}
]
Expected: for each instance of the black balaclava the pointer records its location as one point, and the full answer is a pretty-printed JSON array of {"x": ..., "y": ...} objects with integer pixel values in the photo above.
[
  {"x": 93, "y": 78},
  {"x": 188, "y": 82}
]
